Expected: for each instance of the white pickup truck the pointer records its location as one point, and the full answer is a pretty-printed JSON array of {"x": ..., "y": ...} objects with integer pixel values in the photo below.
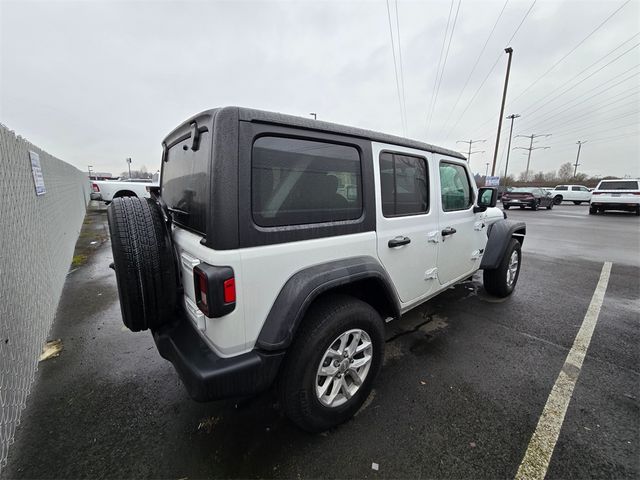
[{"x": 107, "y": 190}]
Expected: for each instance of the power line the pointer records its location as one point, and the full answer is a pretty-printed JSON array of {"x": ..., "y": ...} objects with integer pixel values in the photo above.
[
  {"x": 607, "y": 89},
  {"x": 587, "y": 112},
  {"x": 435, "y": 83},
  {"x": 490, "y": 71},
  {"x": 444, "y": 65},
  {"x": 404, "y": 98},
  {"x": 597, "y": 124},
  {"x": 473, "y": 69},
  {"x": 395, "y": 67},
  {"x": 570, "y": 51},
  {"x": 581, "y": 81}
]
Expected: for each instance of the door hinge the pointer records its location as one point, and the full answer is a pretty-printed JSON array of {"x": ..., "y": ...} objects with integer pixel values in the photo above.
[{"x": 431, "y": 274}]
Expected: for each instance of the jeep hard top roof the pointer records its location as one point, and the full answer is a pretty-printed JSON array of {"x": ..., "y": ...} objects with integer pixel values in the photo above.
[{"x": 274, "y": 118}]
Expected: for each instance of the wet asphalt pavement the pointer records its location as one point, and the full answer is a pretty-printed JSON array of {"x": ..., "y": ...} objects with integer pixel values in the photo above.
[{"x": 464, "y": 382}]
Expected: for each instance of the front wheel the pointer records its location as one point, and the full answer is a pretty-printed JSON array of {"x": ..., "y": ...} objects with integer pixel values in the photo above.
[
  {"x": 502, "y": 280},
  {"x": 577, "y": 203},
  {"x": 329, "y": 371},
  {"x": 506, "y": 207},
  {"x": 593, "y": 210},
  {"x": 534, "y": 206},
  {"x": 557, "y": 199},
  {"x": 550, "y": 206}
]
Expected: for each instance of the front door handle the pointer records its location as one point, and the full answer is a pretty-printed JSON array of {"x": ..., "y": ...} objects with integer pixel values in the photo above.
[
  {"x": 399, "y": 241},
  {"x": 448, "y": 231}
]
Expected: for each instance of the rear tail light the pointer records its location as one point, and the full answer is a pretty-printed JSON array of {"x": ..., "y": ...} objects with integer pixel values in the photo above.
[
  {"x": 215, "y": 289},
  {"x": 95, "y": 187}
]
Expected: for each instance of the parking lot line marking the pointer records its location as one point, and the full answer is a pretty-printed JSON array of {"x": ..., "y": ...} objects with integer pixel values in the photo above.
[{"x": 536, "y": 459}]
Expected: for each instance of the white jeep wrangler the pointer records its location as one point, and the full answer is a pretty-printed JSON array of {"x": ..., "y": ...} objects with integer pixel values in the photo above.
[{"x": 276, "y": 247}]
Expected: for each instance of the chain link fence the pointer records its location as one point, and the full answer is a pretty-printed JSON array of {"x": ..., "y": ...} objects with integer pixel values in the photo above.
[{"x": 37, "y": 238}]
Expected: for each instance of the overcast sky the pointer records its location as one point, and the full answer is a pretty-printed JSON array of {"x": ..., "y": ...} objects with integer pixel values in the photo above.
[{"x": 94, "y": 82}]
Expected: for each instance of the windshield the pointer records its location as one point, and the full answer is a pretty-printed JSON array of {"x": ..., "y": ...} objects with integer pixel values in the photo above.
[{"x": 619, "y": 185}]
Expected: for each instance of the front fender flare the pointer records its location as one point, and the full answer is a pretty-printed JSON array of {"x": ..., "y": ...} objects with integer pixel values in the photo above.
[
  {"x": 306, "y": 285},
  {"x": 500, "y": 233}
]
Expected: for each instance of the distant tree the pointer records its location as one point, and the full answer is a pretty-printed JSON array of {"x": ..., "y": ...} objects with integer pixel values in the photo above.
[{"x": 565, "y": 172}]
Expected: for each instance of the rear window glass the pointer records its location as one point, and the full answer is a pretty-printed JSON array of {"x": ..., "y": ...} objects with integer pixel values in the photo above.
[
  {"x": 185, "y": 183},
  {"x": 619, "y": 185},
  {"x": 297, "y": 182}
]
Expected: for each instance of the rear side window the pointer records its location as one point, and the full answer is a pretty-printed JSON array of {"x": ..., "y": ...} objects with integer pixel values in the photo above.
[
  {"x": 562, "y": 187},
  {"x": 185, "y": 182},
  {"x": 404, "y": 185},
  {"x": 618, "y": 185},
  {"x": 576, "y": 189},
  {"x": 455, "y": 187},
  {"x": 296, "y": 181}
]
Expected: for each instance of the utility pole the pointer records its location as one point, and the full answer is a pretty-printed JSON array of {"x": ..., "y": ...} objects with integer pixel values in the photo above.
[
  {"x": 513, "y": 116},
  {"x": 315, "y": 116},
  {"x": 89, "y": 170},
  {"x": 129, "y": 164},
  {"x": 531, "y": 148},
  {"x": 486, "y": 170},
  {"x": 509, "y": 51},
  {"x": 575, "y": 165},
  {"x": 471, "y": 142}
]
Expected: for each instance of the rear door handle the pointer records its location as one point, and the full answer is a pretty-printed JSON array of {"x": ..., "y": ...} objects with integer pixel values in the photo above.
[
  {"x": 448, "y": 231},
  {"x": 399, "y": 241}
]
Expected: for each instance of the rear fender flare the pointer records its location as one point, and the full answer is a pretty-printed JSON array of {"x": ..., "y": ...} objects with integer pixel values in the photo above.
[
  {"x": 500, "y": 234},
  {"x": 305, "y": 286}
]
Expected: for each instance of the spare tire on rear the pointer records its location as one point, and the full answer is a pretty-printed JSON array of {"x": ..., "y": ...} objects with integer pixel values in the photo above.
[{"x": 144, "y": 262}]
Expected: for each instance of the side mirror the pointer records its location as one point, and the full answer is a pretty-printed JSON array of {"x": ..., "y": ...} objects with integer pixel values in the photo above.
[{"x": 487, "y": 197}]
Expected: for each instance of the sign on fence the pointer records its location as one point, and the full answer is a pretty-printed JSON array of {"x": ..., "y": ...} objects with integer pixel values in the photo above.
[{"x": 36, "y": 169}]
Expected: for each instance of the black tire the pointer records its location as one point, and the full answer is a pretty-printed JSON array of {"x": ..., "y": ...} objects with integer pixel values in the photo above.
[
  {"x": 577, "y": 203},
  {"x": 495, "y": 281},
  {"x": 535, "y": 206},
  {"x": 557, "y": 199},
  {"x": 593, "y": 210},
  {"x": 506, "y": 207},
  {"x": 550, "y": 206},
  {"x": 638, "y": 211},
  {"x": 521, "y": 207},
  {"x": 144, "y": 262},
  {"x": 324, "y": 322}
]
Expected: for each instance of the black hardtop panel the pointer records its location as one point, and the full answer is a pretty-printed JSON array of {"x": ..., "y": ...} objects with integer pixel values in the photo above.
[
  {"x": 261, "y": 116},
  {"x": 203, "y": 119}
]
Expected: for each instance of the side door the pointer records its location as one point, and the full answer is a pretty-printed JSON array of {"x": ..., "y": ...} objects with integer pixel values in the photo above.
[
  {"x": 462, "y": 232},
  {"x": 406, "y": 219}
]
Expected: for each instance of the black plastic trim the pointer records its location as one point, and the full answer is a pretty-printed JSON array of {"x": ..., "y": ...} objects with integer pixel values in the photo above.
[
  {"x": 303, "y": 287},
  {"x": 500, "y": 233},
  {"x": 207, "y": 376}
]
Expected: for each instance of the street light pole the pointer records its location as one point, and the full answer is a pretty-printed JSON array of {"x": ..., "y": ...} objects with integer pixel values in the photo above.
[
  {"x": 513, "y": 116},
  {"x": 575, "y": 169},
  {"x": 486, "y": 170},
  {"x": 315, "y": 116},
  {"x": 129, "y": 164},
  {"x": 509, "y": 51}
]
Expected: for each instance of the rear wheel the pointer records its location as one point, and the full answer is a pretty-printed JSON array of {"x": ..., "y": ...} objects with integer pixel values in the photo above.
[
  {"x": 534, "y": 206},
  {"x": 638, "y": 210},
  {"x": 506, "y": 207},
  {"x": 502, "y": 280},
  {"x": 521, "y": 207},
  {"x": 329, "y": 370},
  {"x": 577, "y": 203},
  {"x": 593, "y": 210}
]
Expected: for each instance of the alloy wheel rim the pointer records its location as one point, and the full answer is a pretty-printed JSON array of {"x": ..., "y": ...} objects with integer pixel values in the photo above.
[
  {"x": 512, "y": 269},
  {"x": 344, "y": 368}
]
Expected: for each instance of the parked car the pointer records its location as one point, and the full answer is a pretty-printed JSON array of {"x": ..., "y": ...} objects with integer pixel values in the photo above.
[
  {"x": 278, "y": 246},
  {"x": 623, "y": 194},
  {"x": 107, "y": 190},
  {"x": 571, "y": 193},
  {"x": 532, "y": 197}
]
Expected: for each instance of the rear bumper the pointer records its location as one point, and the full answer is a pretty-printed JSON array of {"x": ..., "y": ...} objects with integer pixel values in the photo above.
[
  {"x": 95, "y": 196},
  {"x": 526, "y": 203},
  {"x": 630, "y": 206},
  {"x": 207, "y": 376}
]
